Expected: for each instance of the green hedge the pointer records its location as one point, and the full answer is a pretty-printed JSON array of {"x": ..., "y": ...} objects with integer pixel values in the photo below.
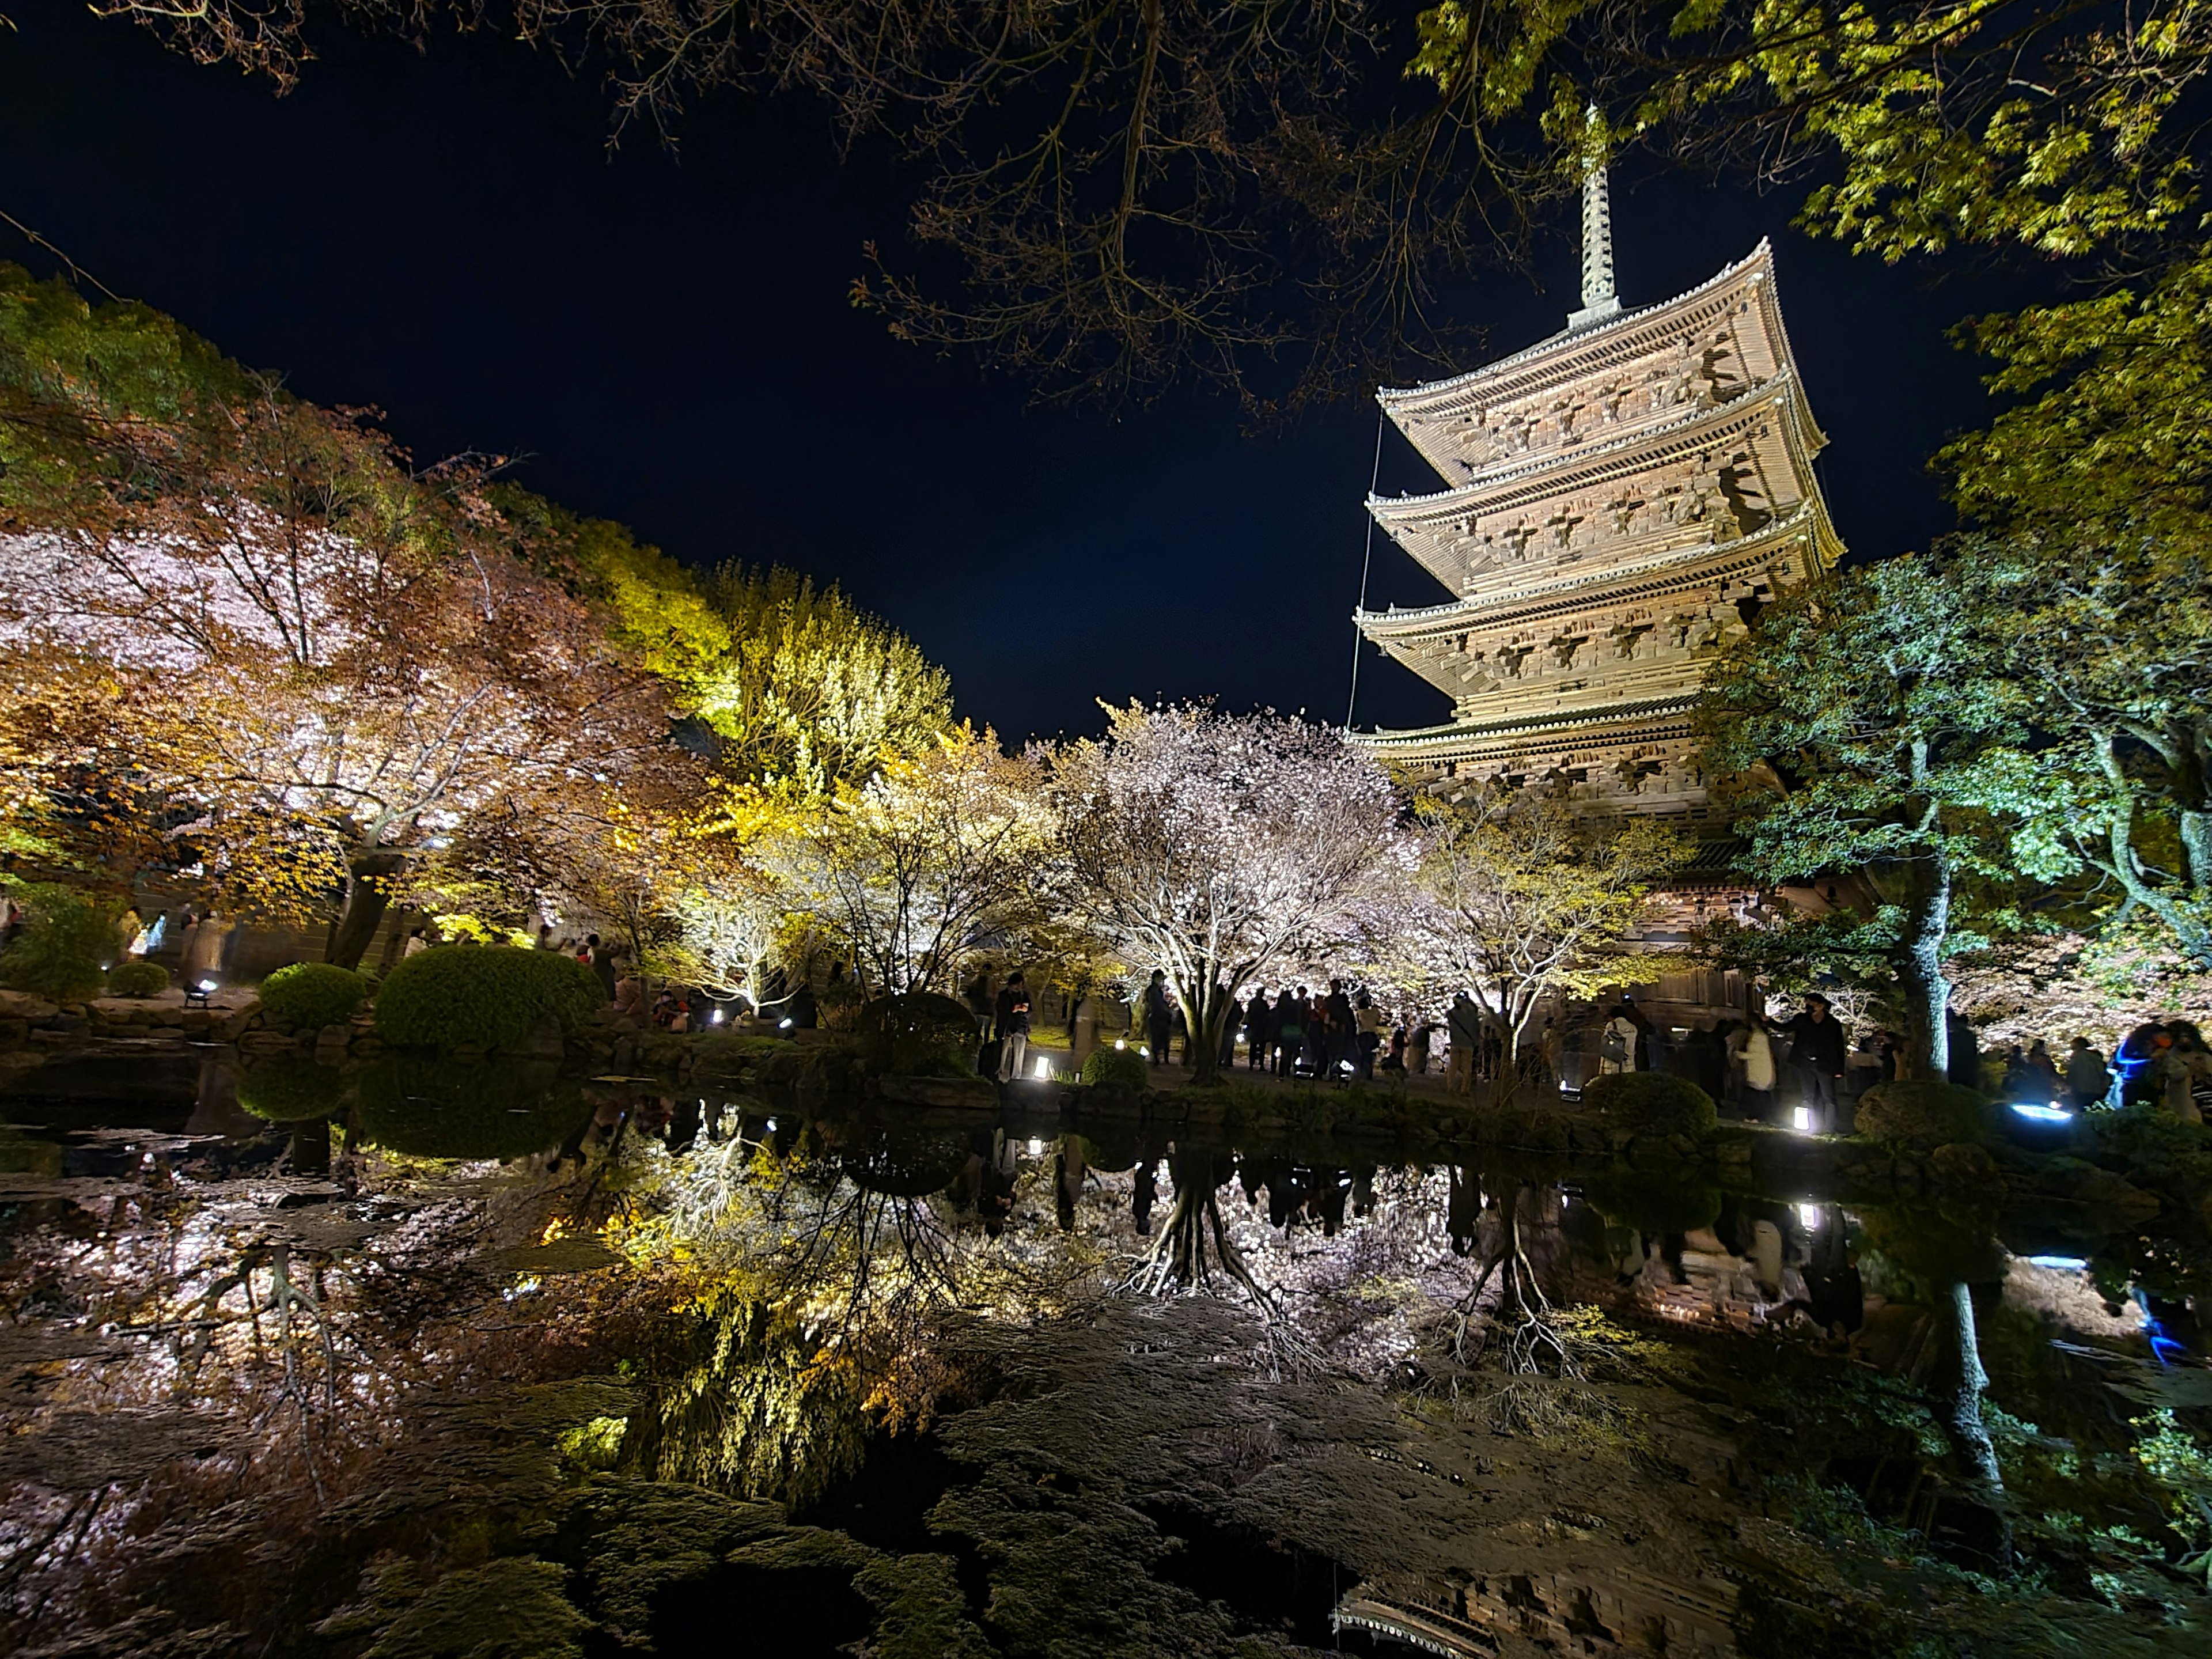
[
  {"x": 1924, "y": 1112},
  {"x": 137, "y": 979},
  {"x": 486, "y": 994},
  {"x": 289, "y": 1088},
  {"x": 1651, "y": 1102},
  {"x": 427, "y": 1107},
  {"x": 309, "y": 995},
  {"x": 67, "y": 942},
  {"x": 1122, "y": 1070}
]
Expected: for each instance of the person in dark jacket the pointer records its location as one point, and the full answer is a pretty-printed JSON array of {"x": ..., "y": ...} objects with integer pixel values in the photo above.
[
  {"x": 1230, "y": 1026},
  {"x": 1258, "y": 1029},
  {"x": 1159, "y": 1016},
  {"x": 1288, "y": 1030},
  {"x": 1816, "y": 1050}
]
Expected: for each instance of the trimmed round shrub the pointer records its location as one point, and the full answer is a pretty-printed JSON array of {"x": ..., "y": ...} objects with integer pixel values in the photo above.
[
  {"x": 1925, "y": 1112},
  {"x": 1119, "y": 1069},
  {"x": 309, "y": 995},
  {"x": 1651, "y": 1203},
  {"x": 67, "y": 942},
  {"x": 1651, "y": 1102},
  {"x": 137, "y": 979},
  {"x": 919, "y": 1034},
  {"x": 289, "y": 1088},
  {"x": 487, "y": 995},
  {"x": 425, "y": 1107}
]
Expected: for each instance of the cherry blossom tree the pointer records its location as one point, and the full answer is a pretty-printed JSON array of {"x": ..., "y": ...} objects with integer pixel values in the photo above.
[
  {"x": 1213, "y": 846},
  {"x": 1516, "y": 898}
]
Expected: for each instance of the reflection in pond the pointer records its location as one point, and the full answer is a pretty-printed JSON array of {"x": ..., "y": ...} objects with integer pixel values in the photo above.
[{"x": 447, "y": 1358}]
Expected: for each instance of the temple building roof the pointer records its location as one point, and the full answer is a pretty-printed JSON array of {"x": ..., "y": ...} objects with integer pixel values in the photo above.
[{"x": 1728, "y": 330}]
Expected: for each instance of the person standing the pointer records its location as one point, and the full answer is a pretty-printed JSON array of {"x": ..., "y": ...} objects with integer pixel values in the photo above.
[
  {"x": 1369, "y": 1023},
  {"x": 1464, "y": 1025},
  {"x": 1816, "y": 1050},
  {"x": 1617, "y": 1042},
  {"x": 1338, "y": 1030},
  {"x": 1417, "y": 1048},
  {"x": 1231, "y": 1022},
  {"x": 1287, "y": 1030},
  {"x": 1013, "y": 1019},
  {"x": 2088, "y": 1079},
  {"x": 1159, "y": 1016},
  {"x": 1258, "y": 1029},
  {"x": 1758, "y": 1072}
]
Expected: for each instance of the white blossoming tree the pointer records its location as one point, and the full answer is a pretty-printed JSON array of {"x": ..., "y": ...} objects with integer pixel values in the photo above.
[{"x": 1214, "y": 845}]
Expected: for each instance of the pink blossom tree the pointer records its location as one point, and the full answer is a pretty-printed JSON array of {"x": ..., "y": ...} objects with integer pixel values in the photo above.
[{"x": 1215, "y": 846}]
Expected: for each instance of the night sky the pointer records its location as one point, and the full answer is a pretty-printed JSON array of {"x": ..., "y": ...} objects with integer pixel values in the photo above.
[{"x": 666, "y": 341}]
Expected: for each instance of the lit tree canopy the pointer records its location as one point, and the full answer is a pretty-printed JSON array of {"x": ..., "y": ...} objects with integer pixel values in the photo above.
[
  {"x": 1515, "y": 899},
  {"x": 355, "y": 671},
  {"x": 1213, "y": 846},
  {"x": 1866, "y": 706},
  {"x": 915, "y": 868}
]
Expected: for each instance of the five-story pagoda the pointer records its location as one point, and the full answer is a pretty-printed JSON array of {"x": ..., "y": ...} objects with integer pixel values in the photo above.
[{"x": 1621, "y": 500}]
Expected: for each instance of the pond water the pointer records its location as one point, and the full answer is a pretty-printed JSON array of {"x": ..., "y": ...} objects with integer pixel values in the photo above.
[{"x": 420, "y": 1359}]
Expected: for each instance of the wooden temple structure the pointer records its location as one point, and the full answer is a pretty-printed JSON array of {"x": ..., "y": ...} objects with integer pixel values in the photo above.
[{"x": 1617, "y": 502}]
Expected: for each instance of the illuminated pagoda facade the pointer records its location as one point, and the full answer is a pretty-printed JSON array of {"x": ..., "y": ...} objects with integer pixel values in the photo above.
[{"x": 1619, "y": 501}]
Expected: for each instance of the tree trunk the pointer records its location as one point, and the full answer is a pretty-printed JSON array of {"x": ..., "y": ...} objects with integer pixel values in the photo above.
[
  {"x": 367, "y": 896},
  {"x": 1927, "y": 992},
  {"x": 1205, "y": 1007},
  {"x": 1962, "y": 1399}
]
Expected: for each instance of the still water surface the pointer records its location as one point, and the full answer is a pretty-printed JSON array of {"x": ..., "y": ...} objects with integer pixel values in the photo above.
[{"x": 425, "y": 1360}]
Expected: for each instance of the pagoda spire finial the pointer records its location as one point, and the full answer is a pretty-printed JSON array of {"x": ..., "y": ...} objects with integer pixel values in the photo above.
[{"x": 1599, "y": 299}]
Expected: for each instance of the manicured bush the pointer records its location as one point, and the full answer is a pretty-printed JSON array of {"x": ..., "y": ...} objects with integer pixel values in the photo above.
[
  {"x": 1651, "y": 1102},
  {"x": 427, "y": 1107},
  {"x": 289, "y": 1088},
  {"x": 67, "y": 942},
  {"x": 1118, "y": 1070},
  {"x": 919, "y": 1034},
  {"x": 309, "y": 995},
  {"x": 1925, "y": 1112},
  {"x": 486, "y": 994},
  {"x": 137, "y": 979}
]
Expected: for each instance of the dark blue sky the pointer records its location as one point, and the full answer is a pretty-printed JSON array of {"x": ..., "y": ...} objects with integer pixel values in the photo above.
[{"x": 667, "y": 340}]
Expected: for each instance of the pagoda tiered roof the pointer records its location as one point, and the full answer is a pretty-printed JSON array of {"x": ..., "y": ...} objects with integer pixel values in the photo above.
[
  {"x": 1445, "y": 419},
  {"x": 1444, "y": 530}
]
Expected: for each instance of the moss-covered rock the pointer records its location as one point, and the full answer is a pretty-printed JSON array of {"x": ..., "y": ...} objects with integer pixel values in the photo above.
[
  {"x": 1651, "y": 1102},
  {"x": 917, "y": 1034},
  {"x": 1926, "y": 1113}
]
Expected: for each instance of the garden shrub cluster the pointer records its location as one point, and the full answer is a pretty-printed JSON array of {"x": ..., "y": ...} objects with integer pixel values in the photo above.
[
  {"x": 68, "y": 937},
  {"x": 1925, "y": 1112},
  {"x": 309, "y": 995},
  {"x": 1651, "y": 1102},
  {"x": 1120, "y": 1070},
  {"x": 486, "y": 994},
  {"x": 137, "y": 979}
]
